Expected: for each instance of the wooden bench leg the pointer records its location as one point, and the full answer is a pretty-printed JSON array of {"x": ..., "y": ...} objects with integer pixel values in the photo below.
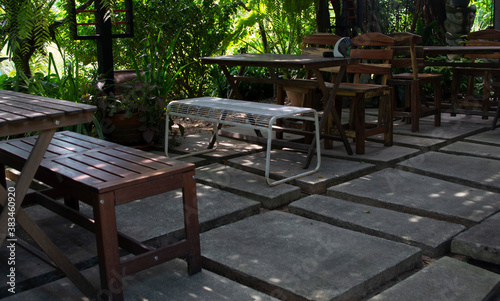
[
  {"x": 107, "y": 246},
  {"x": 3, "y": 176},
  {"x": 191, "y": 223},
  {"x": 72, "y": 203}
]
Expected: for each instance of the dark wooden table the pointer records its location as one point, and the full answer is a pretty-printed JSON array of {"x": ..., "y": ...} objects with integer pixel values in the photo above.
[
  {"x": 23, "y": 113},
  {"x": 281, "y": 61},
  {"x": 437, "y": 50},
  {"x": 460, "y": 50}
]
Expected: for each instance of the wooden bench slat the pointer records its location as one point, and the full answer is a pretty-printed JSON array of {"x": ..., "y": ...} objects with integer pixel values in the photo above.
[
  {"x": 16, "y": 150},
  {"x": 65, "y": 146},
  {"x": 53, "y": 149},
  {"x": 83, "y": 171},
  {"x": 141, "y": 159},
  {"x": 24, "y": 147},
  {"x": 119, "y": 168},
  {"x": 103, "y": 156},
  {"x": 88, "y": 144}
]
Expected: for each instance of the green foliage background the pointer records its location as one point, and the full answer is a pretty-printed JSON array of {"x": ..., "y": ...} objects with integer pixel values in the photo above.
[{"x": 30, "y": 29}]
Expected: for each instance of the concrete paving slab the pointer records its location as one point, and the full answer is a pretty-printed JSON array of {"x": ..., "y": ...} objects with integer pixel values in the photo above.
[
  {"x": 76, "y": 243},
  {"x": 161, "y": 216},
  {"x": 452, "y": 129},
  {"x": 422, "y": 143},
  {"x": 287, "y": 163},
  {"x": 168, "y": 281},
  {"x": 156, "y": 220},
  {"x": 480, "y": 173},
  {"x": 228, "y": 148},
  {"x": 247, "y": 184},
  {"x": 251, "y": 132},
  {"x": 472, "y": 149},
  {"x": 464, "y": 119},
  {"x": 295, "y": 258},
  {"x": 480, "y": 242},
  {"x": 375, "y": 153},
  {"x": 446, "y": 280},
  {"x": 432, "y": 236},
  {"x": 420, "y": 195},
  {"x": 487, "y": 137}
]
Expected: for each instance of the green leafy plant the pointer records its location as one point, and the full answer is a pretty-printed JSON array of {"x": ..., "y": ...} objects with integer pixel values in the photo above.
[
  {"x": 148, "y": 94},
  {"x": 26, "y": 29}
]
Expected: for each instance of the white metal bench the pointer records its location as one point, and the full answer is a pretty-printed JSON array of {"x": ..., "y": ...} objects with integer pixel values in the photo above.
[{"x": 257, "y": 116}]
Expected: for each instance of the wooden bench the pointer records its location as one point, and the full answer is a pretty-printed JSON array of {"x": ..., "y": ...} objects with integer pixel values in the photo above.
[
  {"x": 256, "y": 116},
  {"x": 104, "y": 175}
]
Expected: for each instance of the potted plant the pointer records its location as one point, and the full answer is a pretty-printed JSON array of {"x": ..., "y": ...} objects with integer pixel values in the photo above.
[{"x": 136, "y": 113}]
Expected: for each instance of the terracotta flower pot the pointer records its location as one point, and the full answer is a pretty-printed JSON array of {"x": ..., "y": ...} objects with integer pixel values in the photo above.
[{"x": 125, "y": 131}]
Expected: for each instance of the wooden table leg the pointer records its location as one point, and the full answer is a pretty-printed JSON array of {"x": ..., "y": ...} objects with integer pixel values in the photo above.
[
  {"x": 31, "y": 228},
  {"x": 53, "y": 252},
  {"x": 234, "y": 93},
  {"x": 25, "y": 178},
  {"x": 330, "y": 105},
  {"x": 330, "y": 108}
]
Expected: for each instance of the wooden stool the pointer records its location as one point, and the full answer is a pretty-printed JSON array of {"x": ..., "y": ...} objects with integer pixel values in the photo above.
[{"x": 104, "y": 175}]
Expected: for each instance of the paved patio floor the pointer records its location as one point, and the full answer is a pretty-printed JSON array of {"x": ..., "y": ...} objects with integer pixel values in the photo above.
[{"x": 416, "y": 221}]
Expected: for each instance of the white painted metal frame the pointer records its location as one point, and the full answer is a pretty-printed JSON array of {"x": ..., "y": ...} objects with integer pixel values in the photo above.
[{"x": 257, "y": 116}]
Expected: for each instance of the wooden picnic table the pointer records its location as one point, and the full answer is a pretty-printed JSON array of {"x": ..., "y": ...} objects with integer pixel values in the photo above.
[
  {"x": 276, "y": 61},
  {"x": 23, "y": 113},
  {"x": 99, "y": 173}
]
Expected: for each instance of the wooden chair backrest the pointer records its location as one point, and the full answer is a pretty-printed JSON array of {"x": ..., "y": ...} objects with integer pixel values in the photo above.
[
  {"x": 486, "y": 37},
  {"x": 320, "y": 39},
  {"x": 408, "y": 54},
  {"x": 317, "y": 43},
  {"x": 375, "y": 50}
]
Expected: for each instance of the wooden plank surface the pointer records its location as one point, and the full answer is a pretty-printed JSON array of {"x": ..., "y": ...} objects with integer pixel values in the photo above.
[
  {"x": 444, "y": 50},
  {"x": 278, "y": 61},
  {"x": 23, "y": 113}
]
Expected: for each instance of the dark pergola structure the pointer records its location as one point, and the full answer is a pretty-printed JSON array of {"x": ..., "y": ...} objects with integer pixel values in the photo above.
[
  {"x": 351, "y": 14},
  {"x": 104, "y": 34}
]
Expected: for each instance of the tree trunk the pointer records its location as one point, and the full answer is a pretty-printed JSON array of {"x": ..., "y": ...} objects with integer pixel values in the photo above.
[
  {"x": 322, "y": 16},
  {"x": 22, "y": 59},
  {"x": 435, "y": 10}
]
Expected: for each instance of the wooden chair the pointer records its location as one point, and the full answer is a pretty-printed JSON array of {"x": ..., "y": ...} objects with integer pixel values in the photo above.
[
  {"x": 472, "y": 104},
  {"x": 408, "y": 56},
  {"x": 375, "y": 50},
  {"x": 307, "y": 96},
  {"x": 314, "y": 44}
]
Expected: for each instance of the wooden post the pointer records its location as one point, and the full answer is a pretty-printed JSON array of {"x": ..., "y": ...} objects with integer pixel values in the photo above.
[
  {"x": 496, "y": 23},
  {"x": 322, "y": 16},
  {"x": 105, "y": 46}
]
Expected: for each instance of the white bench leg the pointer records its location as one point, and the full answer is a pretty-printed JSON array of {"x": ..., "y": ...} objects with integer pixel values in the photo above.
[
  {"x": 268, "y": 154},
  {"x": 192, "y": 153}
]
